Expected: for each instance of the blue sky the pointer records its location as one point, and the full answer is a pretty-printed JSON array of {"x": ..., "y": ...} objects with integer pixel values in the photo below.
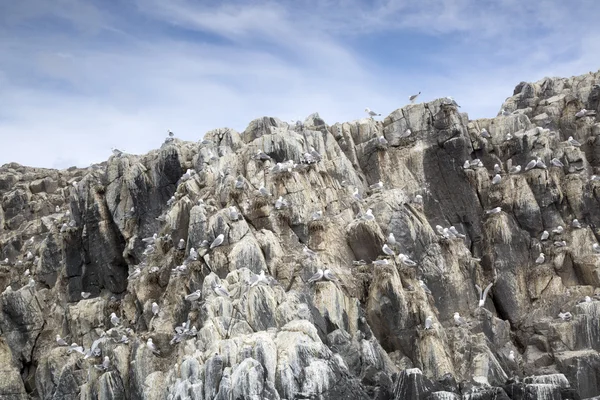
[{"x": 79, "y": 77}]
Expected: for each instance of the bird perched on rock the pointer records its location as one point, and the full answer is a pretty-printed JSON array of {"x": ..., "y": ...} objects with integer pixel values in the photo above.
[
  {"x": 428, "y": 322},
  {"x": 511, "y": 356},
  {"x": 239, "y": 183},
  {"x": 484, "y": 133},
  {"x": 556, "y": 163},
  {"x": 233, "y": 213},
  {"x": 558, "y": 230},
  {"x": 152, "y": 347},
  {"x": 308, "y": 252},
  {"x": 151, "y": 240},
  {"x": 368, "y": 215},
  {"x": 541, "y": 258},
  {"x": 105, "y": 364},
  {"x": 263, "y": 192},
  {"x": 560, "y": 243},
  {"x": 280, "y": 203},
  {"x": 414, "y": 97},
  {"x": 155, "y": 309},
  {"x": 356, "y": 195},
  {"x": 114, "y": 319},
  {"x": 424, "y": 287},
  {"x": 545, "y": 236},
  {"x": 458, "y": 320},
  {"x": 220, "y": 290},
  {"x": 61, "y": 341},
  {"x": 580, "y": 113},
  {"x": 261, "y": 155},
  {"x": 404, "y": 259},
  {"x": 483, "y": 295},
  {"x": 371, "y": 113},
  {"x": 566, "y": 316},
  {"x": 531, "y": 165},
  {"x": 85, "y": 295},
  {"x": 381, "y": 262},
  {"x": 260, "y": 279},
  {"x": 328, "y": 275},
  {"x": 494, "y": 210},
  {"x": 74, "y": 347},
  {"x": 317, "y": 276},
  {"x": 181, "y": 244},
  {"x": 386, "y": 249},
  {"x": 391, "y": 239},
  {"x": 317, "y": 215},
  {"x": 218, "y": 241},
  {"x": 573, "y": 142},
  {"x": 497, "y": 169},
  {"x": 194, "y": 295},
  {"x": 540, "y": 164},
  {"x": 496, "y": 180},
  {"x": 596, "y": 247},
  {"x": 376, "y": 186},
  {"x": 382, "y": 141},
  {"x": 514, "y": 169},
  {"x": 136, "y": 273}
]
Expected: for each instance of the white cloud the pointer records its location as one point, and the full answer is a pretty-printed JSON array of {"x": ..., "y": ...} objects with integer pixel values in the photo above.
[{"x": 124, "y": 80}]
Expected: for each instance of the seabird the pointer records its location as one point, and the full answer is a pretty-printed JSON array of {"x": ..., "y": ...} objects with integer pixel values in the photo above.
[
  {"x": 428, "y": 322},
  {"x": 171, "y": 134},
  {"x": 456, "y": 232},
  {"x": 74, "y": 347},
  {"x": 382, "y": 141},
  {"x": 181, "y": 244},
  {"x": 573, "y": 142},
  {"x": 218, "y": 241},
  {"x": 560, "y": 243},
  {"x": 508, "y": 137},
  {"x": 514, "y": 169},
  {"x": 315, "y": 154},
  {"x": 407, "y": 132},
  {"x": 221, "y": 291},
  {"x": 359, "y": 262},
  {"x": 114, "y": 319},
  {"x": 531, "y": 165},
  {"x": 356, "y": 195},
  {"x": 155, "y": 309},
  {"x": 280, "y": 203},
  {"x": 317, "y": 215},
  {"x": 391, "y": 239},
  {"x": 418, "y": 199},
  {"x": 194, "y": 295},
  {"x": 404, "y": 259},
  {"x": 308, "y": 252},
  {"x": 258, "y": 279},
  {"x": 381, "y": 262},
  {"x": 239, "y": 183},
  {"x": 458, "y": 320},
  {"x": 57, "y": 209},
  {"x": 263, "y": 192},
  {"x": 494, "y": 210},
  {"x": 558, "y": 230},
  {"x": 587, "y": 299},
  {"x": 85, "y": 295},
  {"x": 424, "y": 287},
  {"x": 151, "y": 240},
  {"x": 151, "y": 346},
  {"x": 575, "y": 224},
  {"x": 581, "y": 113},
  {"x": 328, "y": 275},
  {"x": 566, "y": 316},
  {"x": 496, "y": 180},
  {"x": 414, "y": 97},
  {"x": 371, "y": 113},
  {"x": 105, "y": 364},
  {"x": 545, "y": 235},
  {"x": 233, "y": 214},
  {"x": 497, "y": 169},
  {"x": 261, "y": 155},
  {"x": 467, "y": 164},
  {"x": 452, "y": 101},
  {"x": 376, "y": 186},
  {"x": 504, "y": 112},
  {"x": 541, "y": 258},
  {"x": 317, "y": 276},
  {"x": 511, "y": 355},
  {"x": 61, "y": 341},
  {"x": 556, "y": 162},
  {"x": 369, "y": 215},
  {"x": 596, "y": 247},
  {"x": 483, "y": 295},
  {"x": 386, "y": 249},
  {"x": 540, "y": 164}
]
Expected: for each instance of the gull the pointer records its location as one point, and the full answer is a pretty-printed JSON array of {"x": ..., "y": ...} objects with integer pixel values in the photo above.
[
  {"x": 484, "y": 133},
  {"x": 540, "y": 164},
  {"x": 376, "y": 186},
  {"x": 74, "y": 347},
  {"x": 204, "y": 243},
  {"x": 457, "y": 233},
  {"x": 596, "y": 248},
  {"x": 371, "y": 113},
  {"x": 31, "y": 283},
  {"x": 467, "y": 164},
  {"x": 171, "y": 134},
  {"x": 556, "y": 162},
  {"x": 483, "y": 295},
  {"x": 418, "y": 199},
  {"x": 61, "y": 341},
  {"x": 114, "y": 319},
  {"x": 458, "y": 320},
  {"x": 85, "y": 295},
  {"x": 263, "y": 192},
  {"x": 30, "y": 241},
  {"x": 5, "y": 261},
  {"x": 511, "y": 355},
  {"x": 151, "y": 240},
  {"x": 218, "y": 241},
  {"x": 317, "y": 215},
  {"x": 508, "y": 137},
  {"x": 29, "y": 255},
  {"x": 452, "y": 101},
  {"x": 496, "y": 180},
  {"x": 317, "y": 276},
  {"x": 561, "y": 243},
  {"x": 581, "y": 113},
  {"x": 95, "y": 349},
  {"x": 171, "y": 201},
  {"x": 233, "y": 213},
  {"x": 573, "y": 142},
  {"x": 116, "y": 152},
  {"x": 386, "y": 249},
  {"x": 57, "y": 209},
  {"x": 181, "y": 244},
  {"x": 258, "y": 279},
  {"x": 404, "y": 259},
  {"x": 356, "y": 195},
  {"x": 407, "y": 132},
  {"x": 558, "y": 230},
  {"x": 545, "y": 235},
  {"x": 261, "y": 155},
  {"x": 239, "y": 183},
  {"x": 328, "y": 275},
  {"x": 504, "y": 112},
  {"x": 194, "y": 296},
  {"x": 221, "y": 291},
  {"x": 315, "y": 154},
  {"x": 151, "y": 346},
  {"x": 124, "y": 339},
  {"x": 155, "y": 309},
  {"x": 541, "y": 258},
  {"x": 391, "y": 239},
  {"x": 497, "y": 169},
  {"x": 26, "y": 273},
  {"x": 428, "y": 322},
  {"x": 566, "y": 316},
  {"x": 424, "y": 287},
  {"x": 382, "y": 262},
  {"x": 359, "y": 262},
  {"x": 414, "y": 97},
  {"x": 382, "y": 141},
  {"x": 494, "y": 210},
  {"x": 105, "y": 364},
  {"x": 476, "y": 163},
  {"x": 515, "y": 169},
  {"x": 308, "y": 252},
  {"x": 368, "y": 216},
  {"x": 193, "y": 255},
  {"x": 280, "y": 203},
  {"x": 531, "y": 165},
  {"x": 575, "y": 224},
  {"x": 587, "y": 299}
]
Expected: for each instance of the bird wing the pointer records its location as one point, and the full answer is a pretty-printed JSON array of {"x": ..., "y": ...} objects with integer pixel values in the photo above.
[
  {"x": 478, "y": 290},
  {"x": 318, "y": 275},
  {"x": 487, "y": 289}
]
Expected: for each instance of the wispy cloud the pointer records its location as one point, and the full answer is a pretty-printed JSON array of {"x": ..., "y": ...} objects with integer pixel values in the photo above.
[{"x": 79, "y": 77}]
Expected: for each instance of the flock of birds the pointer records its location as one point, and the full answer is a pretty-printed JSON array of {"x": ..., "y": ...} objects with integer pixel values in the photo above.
[{"x": 120, "y": 334}]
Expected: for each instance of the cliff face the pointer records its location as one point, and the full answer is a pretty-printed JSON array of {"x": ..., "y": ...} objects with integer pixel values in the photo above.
[{"x": 66, "y": 235}]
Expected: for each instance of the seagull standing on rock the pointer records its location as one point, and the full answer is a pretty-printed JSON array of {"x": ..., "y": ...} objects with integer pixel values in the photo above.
[
  {"x": 114, "y": 319},
  {"x": 458, "y": 320},
  {"x": 152, "y": 347},
  {"x": 316, "y": 277},
  {"x": 61, "y": 341},
  {"x": 218, "y": 241},
  {"x": 155, "y": 309},
  {"x": 221, "y": 291},
  {"x": 541, "y": 258},
  {"x": 413, "y": 97},
  {"x": 428, "y": 322},
  {"x": 371, "y": 113}
]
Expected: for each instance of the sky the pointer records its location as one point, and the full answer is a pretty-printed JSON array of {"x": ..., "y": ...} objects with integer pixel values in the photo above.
[{"x": 78, "y": 77}]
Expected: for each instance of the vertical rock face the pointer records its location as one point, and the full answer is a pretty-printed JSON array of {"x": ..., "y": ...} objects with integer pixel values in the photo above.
[{"x": 252, "y": 265}]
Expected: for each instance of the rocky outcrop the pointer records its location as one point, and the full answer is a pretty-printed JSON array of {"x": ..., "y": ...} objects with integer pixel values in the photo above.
[{"x": 252, "y": 265}]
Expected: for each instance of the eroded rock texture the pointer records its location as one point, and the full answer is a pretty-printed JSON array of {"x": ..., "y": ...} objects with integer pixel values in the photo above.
[{"x": 236, "y": 226}]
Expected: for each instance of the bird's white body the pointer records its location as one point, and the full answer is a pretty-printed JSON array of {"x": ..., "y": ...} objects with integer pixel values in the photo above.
[
  {"x": 218, "y": 241},
  {"x": 541, "y": 258}
]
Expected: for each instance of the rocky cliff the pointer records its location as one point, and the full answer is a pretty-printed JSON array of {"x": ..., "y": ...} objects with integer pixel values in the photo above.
[{"x": 315, "y": 261}]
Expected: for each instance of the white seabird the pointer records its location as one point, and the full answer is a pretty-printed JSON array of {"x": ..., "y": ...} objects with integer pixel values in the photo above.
[
  {"x": 263, "y": 192},
  {"x": 496, "y": 180},
  {"x": 557, "y": 163},
  {"x": 221, "y": 291},
  {"x": 280, "y": 203},
  {"x": 317, "y": 215},
  {"x": 541, "y": 258},
  {"x": 483, "y": 295},
  {"x": 239, "y": 183},
  {"x": 484, "y": 133},
  {"x": 317, "y": 276},
  {"x": 576, "y": 224},
  {"x": 376, "y": 186},
  {"x": 566, "y": 316},
  {"x": 194, "y": 295},
  {"x": 386, "y": 249},
  {"x": 114, "y": 319},
  {"x": 151, "y": 346},
  {"x": 308, "y": 252},
  {"x": 545, "y": 235},
  {"x": 382, "y": 140},
  {"x": 75, "y": 347},
  {"x": 233, "y": 213},
  {"x": 381, "y": 262},
  {"x": 404, "y": 259},
  {"x": 573, "y": 142},
  {"x": 458, "y": 320},
  {"x": 61, "y": 341},
  {"x": 218, "y": 241},
  {"x": 261, "y": 155},
  {"x": 514, "y": 169},
  {"x": 181, "y": 244},
  {"x": 105, "y": 364},
  {"x": 85, "y": 295},
  {"x": 356, "y": 195},
  {"x": 328, "y": 275},
  {"x": 540, "y": 164},
  {"x": 391, "y": 239},
  {"x": 596, "y": 248},
  {"x": 371, "y": 113},
  {"x": 497, "y": 169},
  {"x": 456, "y": 232},
  {"x": 368, "y": 215},
  {"x": 259, "y": 279},
  {"x": 511, "y": 355},
  {"x": 558, "y": 230},
  {"x": 428, "y": 322},
  {"x": 414, "y": 97},
  {"x": 581, "y": 113},
  {"x": 494, "y": 210},
  {"x": 155, "y": 309},
  {"x": 467, "y": 164},
  {"x": 424, "y": 287},
  {"x": 531, "y": 165}
]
